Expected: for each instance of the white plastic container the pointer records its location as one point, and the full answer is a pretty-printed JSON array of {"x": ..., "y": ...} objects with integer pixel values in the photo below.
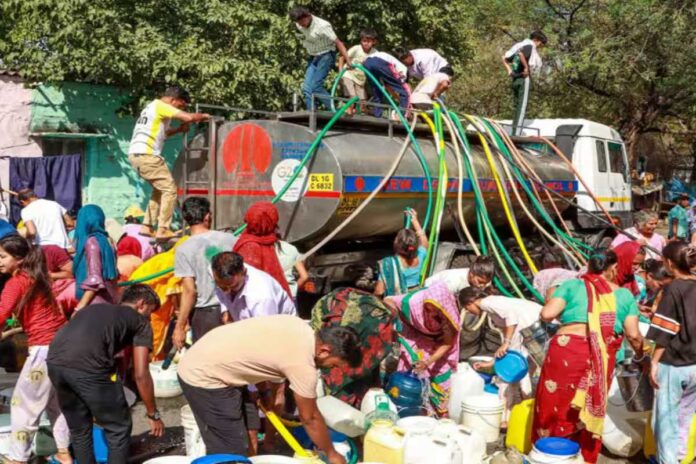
[
  {"x": 421, "y": 446},
  {"x": 483, "y": 413},
  {"x": 165, "y": 381},
  {"x": 341, "y": 416},
  {"x": 471, "y": 443},
  {"x": 465, "y": 383},
  {"x": 373, "y": 397},
  {"x": 623, "y": 430},
  {"x": 195, "y": 447},
  {"x": 417, "y": 424},
  {"x": 169, "y": 460}
]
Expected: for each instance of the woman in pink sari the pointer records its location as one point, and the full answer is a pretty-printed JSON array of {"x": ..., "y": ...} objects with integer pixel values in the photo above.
[{"x": 429, "y": 339}]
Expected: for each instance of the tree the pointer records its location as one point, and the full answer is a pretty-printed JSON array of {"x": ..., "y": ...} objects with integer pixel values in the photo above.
[{"x": 238, "y": 53}]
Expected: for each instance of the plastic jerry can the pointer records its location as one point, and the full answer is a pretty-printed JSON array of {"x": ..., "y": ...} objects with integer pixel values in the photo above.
[
  {"x": 384, "y": 443},
  {"x": 519, "y": 432}
]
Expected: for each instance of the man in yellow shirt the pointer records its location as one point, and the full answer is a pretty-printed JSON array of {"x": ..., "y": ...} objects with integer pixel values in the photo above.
[{"x": 145, "y": 155}]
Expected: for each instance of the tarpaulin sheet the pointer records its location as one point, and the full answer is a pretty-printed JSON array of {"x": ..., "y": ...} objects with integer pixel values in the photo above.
[{"x": 55, "y": 178}]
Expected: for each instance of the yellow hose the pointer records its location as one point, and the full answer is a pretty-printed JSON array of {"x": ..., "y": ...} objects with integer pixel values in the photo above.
[
  {"x": 285, "y": 433},
  {"x": 506, "y": 207},
  {"x": 460, "y": 187}
]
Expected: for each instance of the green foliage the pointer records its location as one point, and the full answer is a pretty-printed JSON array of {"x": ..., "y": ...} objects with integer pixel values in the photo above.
[
  {"x": 238, "y": 53},
  {"x": 627, "y": 63}
]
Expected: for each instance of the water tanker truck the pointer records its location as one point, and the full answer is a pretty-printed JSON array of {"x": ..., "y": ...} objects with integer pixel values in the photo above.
[{"x": 237, "y": 163}]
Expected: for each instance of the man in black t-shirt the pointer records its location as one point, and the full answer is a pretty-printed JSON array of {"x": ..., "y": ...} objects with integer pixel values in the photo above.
[
  {"x": 82, "y": 368},
  {"x": 520, "y": 61}
]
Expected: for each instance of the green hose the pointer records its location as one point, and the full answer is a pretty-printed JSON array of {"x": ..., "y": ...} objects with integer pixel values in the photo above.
[
  {"x": 481, "y": 205},
  {"x": 411, "y": 135},
  {"x": 499, "y": 143}
]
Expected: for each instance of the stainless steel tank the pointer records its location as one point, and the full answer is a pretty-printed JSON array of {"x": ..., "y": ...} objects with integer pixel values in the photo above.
[{"x": 255, "y": 158}]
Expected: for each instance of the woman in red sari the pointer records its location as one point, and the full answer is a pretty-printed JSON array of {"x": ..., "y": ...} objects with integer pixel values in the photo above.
[
  {"x": 595, "y": 313},
  {"x": 258, "y": 242}
]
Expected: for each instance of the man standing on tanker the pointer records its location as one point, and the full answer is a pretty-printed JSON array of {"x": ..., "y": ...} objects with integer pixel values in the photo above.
[{"x": 145, "y": 155}]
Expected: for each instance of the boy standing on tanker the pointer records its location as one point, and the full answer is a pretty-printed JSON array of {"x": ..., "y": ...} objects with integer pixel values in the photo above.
[
  {"x": 320, "y": 41},
  {"x": 353, "y": 80},
  {"x": 145, "y": 155},
  {"x": 520, "y": 61},
  {"x": 392, "y": 74}
]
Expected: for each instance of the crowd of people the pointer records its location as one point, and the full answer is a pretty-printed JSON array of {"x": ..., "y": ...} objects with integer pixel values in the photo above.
[
  {"x": 232, "y": 301},
  {"x": 238, "y": 295}
]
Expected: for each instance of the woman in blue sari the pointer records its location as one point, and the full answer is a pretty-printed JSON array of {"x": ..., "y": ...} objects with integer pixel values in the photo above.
[
  {"x": 400, "y": 273},
  {"x": 94, "y": 264}
]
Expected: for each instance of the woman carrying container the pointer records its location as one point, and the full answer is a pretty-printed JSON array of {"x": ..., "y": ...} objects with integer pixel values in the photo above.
[
  {"x": 571, "y": 397},
  {"x": 429, "y": 339},
  {"x": 401, "y": 273},
  {"x": 28, "y": 296},
  {"x": 673, "y": 368},
  {"x": 374, "y": 323},
  {"x": 511, "y": 316},
  {"x": 94, "y": 264}
]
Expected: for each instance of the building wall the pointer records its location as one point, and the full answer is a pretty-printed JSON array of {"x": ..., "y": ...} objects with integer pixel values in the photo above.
[
  {"x": 108, "y": 179},
  {"x": 15, "y": 115}
]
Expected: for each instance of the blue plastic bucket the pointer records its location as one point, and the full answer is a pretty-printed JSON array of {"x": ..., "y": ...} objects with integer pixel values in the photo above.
[{"x": 512, "y": 367}]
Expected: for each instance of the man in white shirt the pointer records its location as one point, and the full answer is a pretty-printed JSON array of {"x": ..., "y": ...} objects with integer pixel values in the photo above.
[
  {"x": 145, "y": 155},
  {"x": 392, "y": 73},
  {"x": 424, "y": 62},
  {"x": 245, "y": 292},
  {"x": 44, "y": 220}
]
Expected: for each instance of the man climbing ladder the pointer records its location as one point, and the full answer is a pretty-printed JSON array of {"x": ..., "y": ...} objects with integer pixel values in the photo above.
[
  {"x": 145, "y": 155},
  {"x": 520, "y": 61}
]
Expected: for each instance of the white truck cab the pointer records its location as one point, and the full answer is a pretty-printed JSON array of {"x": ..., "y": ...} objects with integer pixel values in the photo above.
[{"x": 598, "y": 154}]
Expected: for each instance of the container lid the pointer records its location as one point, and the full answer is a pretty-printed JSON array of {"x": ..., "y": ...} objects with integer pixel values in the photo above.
[
  {"x": 512, "y": 367},
  {"x": 557, "y": 446},
  {"x": 483, "y": 401}
]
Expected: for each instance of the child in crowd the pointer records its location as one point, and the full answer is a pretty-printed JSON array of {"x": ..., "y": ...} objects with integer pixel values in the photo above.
[
  {"x": 479, "y": 275},
  {"x": 393, "y": 74},
  {"x": 511, "y": 316},
  {"x": 652, "y": 280},
  {"x": 353, "y": 80}
]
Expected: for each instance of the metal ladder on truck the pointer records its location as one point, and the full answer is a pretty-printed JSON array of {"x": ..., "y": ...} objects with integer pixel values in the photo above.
[{"x": 190, "y": 185}]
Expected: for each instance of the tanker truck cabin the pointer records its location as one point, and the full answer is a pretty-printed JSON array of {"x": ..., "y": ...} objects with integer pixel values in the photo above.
[
  {"x": 599, "y": 155},
  {"x": 256, "y": 159}
]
